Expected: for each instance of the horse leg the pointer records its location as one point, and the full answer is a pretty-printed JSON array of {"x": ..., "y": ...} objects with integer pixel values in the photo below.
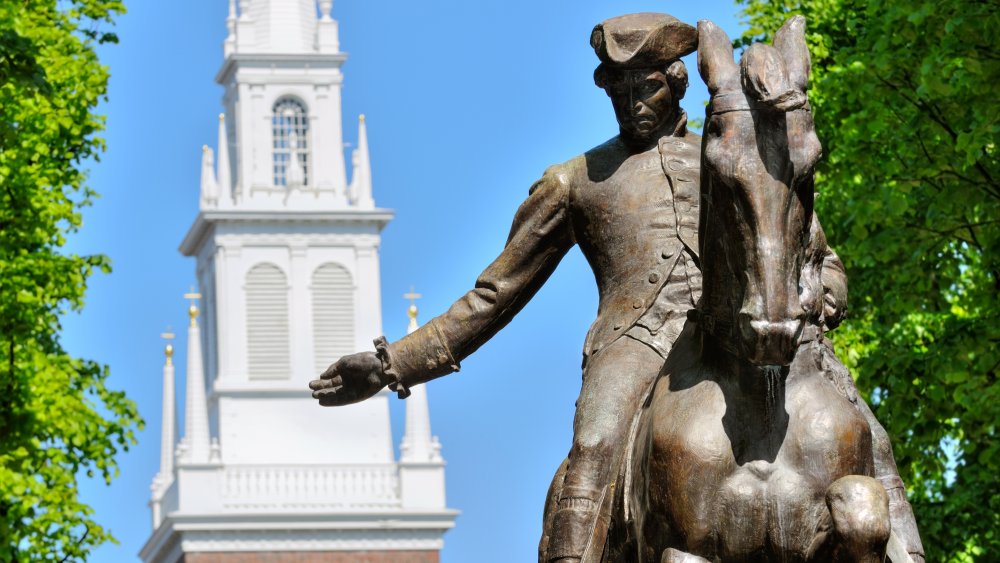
[
  {"x": 671, "y": 555},
  {"x": 859, "y": 507}
]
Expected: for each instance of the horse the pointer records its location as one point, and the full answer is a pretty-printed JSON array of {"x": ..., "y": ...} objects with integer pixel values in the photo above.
[{"x": 746, "y": 449}]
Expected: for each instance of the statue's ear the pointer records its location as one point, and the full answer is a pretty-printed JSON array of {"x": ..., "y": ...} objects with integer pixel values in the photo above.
[
  {"x": 790, "y": 41},
  {"x": 715, "y": 58}
]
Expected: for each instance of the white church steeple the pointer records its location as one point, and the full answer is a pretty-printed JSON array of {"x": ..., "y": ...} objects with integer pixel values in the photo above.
[{"x": 288, "y": 269}]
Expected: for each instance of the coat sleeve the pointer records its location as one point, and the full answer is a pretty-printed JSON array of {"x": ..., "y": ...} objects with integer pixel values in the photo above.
[{"x": 539, "y": 238}]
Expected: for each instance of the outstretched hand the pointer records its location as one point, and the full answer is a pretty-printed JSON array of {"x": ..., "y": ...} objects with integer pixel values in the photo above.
[{"x": 349, "y": 380}]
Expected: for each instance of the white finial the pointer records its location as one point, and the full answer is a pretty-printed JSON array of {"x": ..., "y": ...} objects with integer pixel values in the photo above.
[
  {"x": 412, "y": 311},
  {"x": 361, "y": 177},
  {"x": 209, "y": 187},
  {"x": 229, "y": 45},
  {"x": 223, "y": 174},
  {"x": 327, "y": 35}
]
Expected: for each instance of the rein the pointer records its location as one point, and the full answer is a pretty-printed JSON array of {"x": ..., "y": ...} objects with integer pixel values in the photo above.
[{"x": 738, "y": 101}]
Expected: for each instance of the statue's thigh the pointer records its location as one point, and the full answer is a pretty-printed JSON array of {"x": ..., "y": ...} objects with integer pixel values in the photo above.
[{"x": 615, "y": 382}]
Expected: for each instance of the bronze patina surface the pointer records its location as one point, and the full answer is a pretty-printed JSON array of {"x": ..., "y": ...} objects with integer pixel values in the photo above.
[{"x": 714, "y": 422}]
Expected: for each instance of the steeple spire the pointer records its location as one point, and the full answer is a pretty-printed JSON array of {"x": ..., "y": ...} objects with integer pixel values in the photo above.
[
  {"x": 209, "y": 186},
  {"x": 197, "y": 448},
  {"x": 168, "y": 432},
  {"x": 225, "y": 184},
  {"x": 418, "y": 444},
  {"x": 361, "y": 176}
]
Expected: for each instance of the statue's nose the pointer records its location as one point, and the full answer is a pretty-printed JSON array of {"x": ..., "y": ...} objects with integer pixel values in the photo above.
[{"x": 640, "y": 109}]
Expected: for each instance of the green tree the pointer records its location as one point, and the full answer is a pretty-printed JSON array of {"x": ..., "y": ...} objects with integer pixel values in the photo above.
[
  {"x": 58, "y": 420},
  {"x": 904, "y": 93}
]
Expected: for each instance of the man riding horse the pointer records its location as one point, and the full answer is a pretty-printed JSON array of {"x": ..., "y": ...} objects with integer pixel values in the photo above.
[{"x": 632, "y": 206}]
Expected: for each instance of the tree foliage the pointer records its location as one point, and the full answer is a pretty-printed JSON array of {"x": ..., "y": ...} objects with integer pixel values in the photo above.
[
  {"x": 58, "y": 420},
  {"x": 904, "y": 93}
]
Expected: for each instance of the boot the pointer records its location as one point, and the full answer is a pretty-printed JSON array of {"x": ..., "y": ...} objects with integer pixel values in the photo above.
[{"x": 572, "y": 527}]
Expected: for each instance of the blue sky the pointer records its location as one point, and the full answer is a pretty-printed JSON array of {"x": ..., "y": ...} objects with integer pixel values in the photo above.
[{"x": 467, "y": 103}]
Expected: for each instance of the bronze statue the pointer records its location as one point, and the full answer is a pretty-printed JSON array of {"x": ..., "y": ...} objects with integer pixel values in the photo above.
[
  {"x": 754, "y": 445},
  {"x": 632, "y": 204}
]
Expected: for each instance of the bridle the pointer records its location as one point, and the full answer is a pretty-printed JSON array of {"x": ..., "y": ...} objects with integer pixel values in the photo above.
[{"x": 739, "y": 101}]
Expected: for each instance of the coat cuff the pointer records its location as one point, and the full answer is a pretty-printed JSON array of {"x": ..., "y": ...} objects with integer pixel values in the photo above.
[
  {"x": 417, "y": 358},
  {"x": 382, "y": 353}
]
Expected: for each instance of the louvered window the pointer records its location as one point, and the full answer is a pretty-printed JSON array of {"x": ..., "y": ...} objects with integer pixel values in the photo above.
[
  {"x": 333, "y": 314},
  {"x": 290, "y": 139},
  {"x": 267, "y": 323}
]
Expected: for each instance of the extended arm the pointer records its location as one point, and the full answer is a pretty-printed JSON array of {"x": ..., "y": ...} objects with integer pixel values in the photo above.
[{"x": 539, "y": 238}]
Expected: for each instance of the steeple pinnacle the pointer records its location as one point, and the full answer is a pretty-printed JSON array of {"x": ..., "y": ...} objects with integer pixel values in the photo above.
[
  {"x": 197, "y": 447},
  {"x": 225, "y": 184},
  {"x": 361, "y": 176},
  {"x": 169, "y": 413},
  {"x": 168, "y": 431},
  {"x": 209, "y": 186},
  {"x": 230, "y": 44}
]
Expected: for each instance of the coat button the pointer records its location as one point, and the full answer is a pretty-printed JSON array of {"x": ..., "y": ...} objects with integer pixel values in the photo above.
[
  {"x": 667, "y": 254},
  {"x": 637, "y": 304},
  {"x": 654, "y": 277},
  {"x": 618, "y": 326}
]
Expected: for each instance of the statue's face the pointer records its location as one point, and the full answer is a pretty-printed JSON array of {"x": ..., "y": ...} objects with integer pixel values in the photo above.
[{"x": 643, "y": 102}]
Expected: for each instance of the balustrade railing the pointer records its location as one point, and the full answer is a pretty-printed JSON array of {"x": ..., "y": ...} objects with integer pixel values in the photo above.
[{"x": 304, "y": 487}]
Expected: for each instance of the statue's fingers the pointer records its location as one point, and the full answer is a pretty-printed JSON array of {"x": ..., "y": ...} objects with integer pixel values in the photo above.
[
  {"x": 327, "y": 393},
  {"x": 330, "y": 372},
  {"x": 318, "y": 384}
]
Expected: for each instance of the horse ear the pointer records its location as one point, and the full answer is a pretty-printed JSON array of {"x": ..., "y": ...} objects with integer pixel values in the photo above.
[
  {"x": 715, "y": 57},
  {"x": 790, "y": 41}
]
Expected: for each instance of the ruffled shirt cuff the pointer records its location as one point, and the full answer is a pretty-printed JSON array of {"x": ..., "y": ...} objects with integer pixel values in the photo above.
[{"x": 382, "y": 353}]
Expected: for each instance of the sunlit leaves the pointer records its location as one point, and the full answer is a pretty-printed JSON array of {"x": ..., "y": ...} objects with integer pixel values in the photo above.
[
  {"x": 57, "y": 418},
  {"x": 904, "y": 95}
]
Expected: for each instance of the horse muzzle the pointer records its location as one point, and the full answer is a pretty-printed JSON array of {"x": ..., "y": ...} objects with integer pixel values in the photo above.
[{"x": 768, "y": 342}]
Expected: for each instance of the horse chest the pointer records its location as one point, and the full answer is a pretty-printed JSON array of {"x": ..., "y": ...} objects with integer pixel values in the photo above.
[{"x": 743, "y": 482}]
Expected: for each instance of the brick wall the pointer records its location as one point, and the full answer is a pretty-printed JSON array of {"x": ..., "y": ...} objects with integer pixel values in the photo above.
[{"x": 313, "y": 557}]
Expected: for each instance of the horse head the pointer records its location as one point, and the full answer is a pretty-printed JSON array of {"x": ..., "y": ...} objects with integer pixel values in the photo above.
[{"x": 760, "y": 261}]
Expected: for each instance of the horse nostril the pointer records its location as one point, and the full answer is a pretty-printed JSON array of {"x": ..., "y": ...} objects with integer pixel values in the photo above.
[{"x": 768, "y": 342}]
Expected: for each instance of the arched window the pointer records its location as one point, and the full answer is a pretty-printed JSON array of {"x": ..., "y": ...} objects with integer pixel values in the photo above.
[
  {"x": 267, "y": 323},
  {"x": 290, "y": 133},
  {"x": 333, "y": 314}
]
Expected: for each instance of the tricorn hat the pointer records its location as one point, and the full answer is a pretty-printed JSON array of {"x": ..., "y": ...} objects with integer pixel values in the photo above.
[{"x": 643, "y": 40}]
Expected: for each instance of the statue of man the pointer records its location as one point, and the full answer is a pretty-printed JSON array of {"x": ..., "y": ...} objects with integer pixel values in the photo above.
[{"x": 632, "y": 206}]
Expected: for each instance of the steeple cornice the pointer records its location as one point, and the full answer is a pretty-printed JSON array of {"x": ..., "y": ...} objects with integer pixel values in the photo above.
[
  {"x": 205, "y": 220},
  {"x": 316, "y": 61}
]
